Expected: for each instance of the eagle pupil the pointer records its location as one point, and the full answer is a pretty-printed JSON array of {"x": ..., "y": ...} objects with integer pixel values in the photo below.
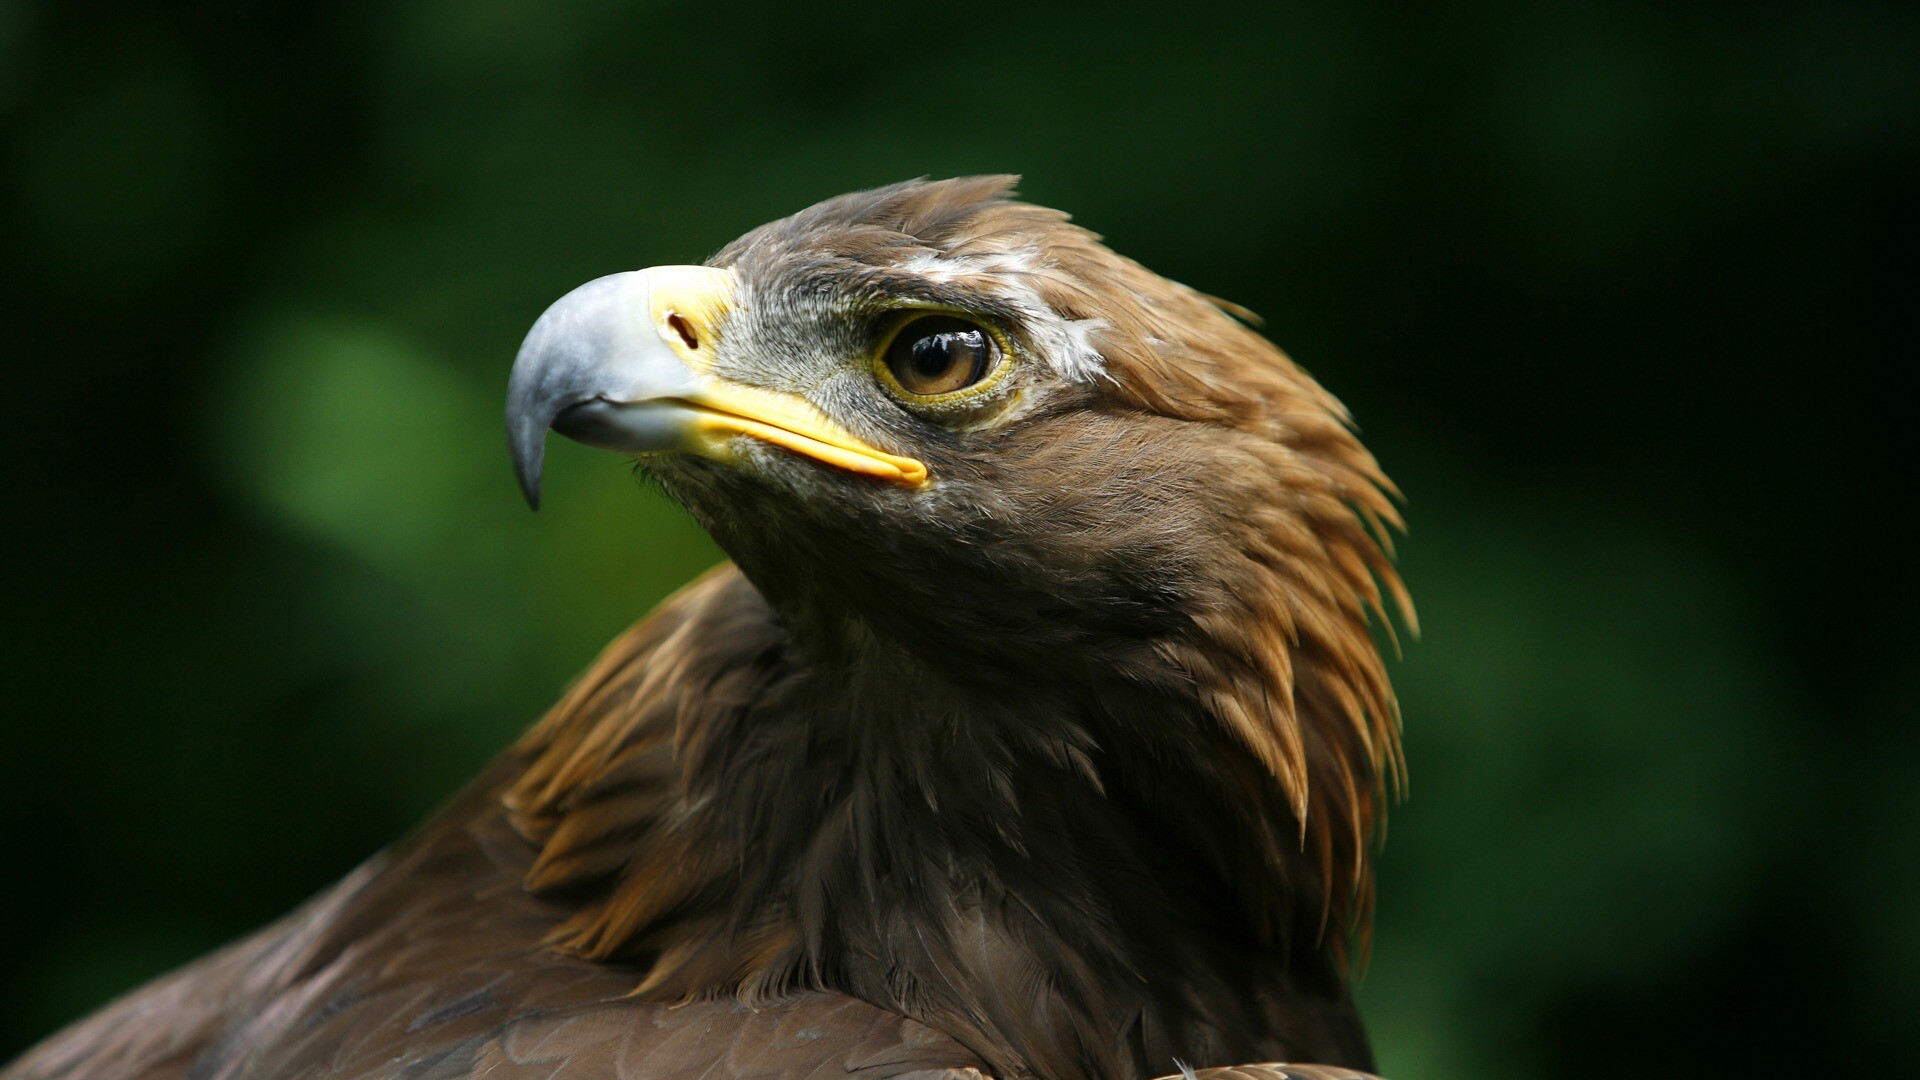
[{"x": 939, "y": 355}]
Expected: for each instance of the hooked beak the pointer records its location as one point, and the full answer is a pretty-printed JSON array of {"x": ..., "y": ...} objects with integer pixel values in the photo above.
[{"x": 625, "y": 363}]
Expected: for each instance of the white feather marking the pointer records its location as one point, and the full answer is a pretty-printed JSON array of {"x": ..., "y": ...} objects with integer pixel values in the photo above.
[{"x": 1065, "y": 344}]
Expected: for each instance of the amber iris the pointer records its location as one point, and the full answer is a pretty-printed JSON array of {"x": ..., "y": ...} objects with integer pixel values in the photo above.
[{"x": 939, "y": 354}]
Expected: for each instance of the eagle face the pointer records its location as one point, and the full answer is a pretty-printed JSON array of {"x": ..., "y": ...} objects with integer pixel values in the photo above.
[{"x": 950, "y": 419}]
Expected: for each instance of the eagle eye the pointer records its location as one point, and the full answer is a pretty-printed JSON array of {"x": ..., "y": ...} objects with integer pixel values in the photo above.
[{"x": 936, "y": 355}]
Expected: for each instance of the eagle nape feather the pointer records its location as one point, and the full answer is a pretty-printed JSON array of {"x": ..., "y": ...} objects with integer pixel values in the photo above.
[{"x": 1035, "y": 727}]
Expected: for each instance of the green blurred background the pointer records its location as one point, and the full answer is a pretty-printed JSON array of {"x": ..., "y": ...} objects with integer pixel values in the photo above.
[{"x": 1612, "y": 288}]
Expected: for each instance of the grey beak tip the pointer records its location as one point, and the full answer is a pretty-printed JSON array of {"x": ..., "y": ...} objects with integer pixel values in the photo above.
[
  {"x": 577, "y": 350},
  {"x": 528, "y": 445}
]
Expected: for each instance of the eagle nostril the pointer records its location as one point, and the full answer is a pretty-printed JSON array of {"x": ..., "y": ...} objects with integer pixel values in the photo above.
[{"x": 684, "y": 328}]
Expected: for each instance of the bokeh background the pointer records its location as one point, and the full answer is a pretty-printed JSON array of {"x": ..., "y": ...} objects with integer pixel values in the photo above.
[{"x": 1617, "y": 291}]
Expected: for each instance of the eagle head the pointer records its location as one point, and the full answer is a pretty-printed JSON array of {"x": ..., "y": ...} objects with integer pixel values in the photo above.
[{"x": 939, "y": 418}]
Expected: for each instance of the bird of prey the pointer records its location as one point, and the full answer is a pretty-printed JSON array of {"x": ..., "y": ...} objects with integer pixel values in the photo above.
[{"x": 1037, "y": 726}]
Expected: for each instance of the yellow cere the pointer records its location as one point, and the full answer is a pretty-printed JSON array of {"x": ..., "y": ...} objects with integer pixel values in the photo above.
[{"x": 689, "y": 304}]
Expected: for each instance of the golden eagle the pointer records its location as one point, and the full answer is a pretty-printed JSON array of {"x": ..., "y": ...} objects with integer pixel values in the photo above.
[{"x": 1036, "y": 728}]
